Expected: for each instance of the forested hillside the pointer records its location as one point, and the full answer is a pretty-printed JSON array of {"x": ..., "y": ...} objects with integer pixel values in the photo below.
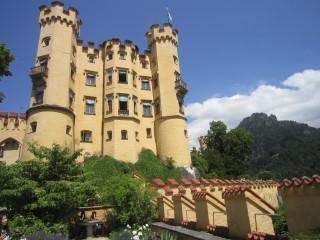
[{"x": 285, "y": 148}]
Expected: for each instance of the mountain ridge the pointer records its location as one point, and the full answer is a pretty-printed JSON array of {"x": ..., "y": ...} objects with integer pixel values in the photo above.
[{"x": 285, "y": 148}]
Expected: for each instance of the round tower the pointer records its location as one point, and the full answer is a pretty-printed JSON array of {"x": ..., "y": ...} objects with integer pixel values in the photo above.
[
  {"x": 50, "y": 118},
  {"x": 169, "y": 91}
]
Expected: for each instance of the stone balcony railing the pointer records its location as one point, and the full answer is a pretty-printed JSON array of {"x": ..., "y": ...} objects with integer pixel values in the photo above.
[
  {"x": 181, "y": 87},
  {"x": 38, "y": 72},
  {"x": 123, "y": 112}
]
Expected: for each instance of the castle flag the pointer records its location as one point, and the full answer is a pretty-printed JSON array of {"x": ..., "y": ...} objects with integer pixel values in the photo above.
[{"x": 169, "y": 16}]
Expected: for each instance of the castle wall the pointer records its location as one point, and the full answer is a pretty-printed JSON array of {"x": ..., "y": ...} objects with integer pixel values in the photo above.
[
  {"x": 12, "y": 131},
  {"x": 109, "y": 99},
  {"x": 301, "y": 199}
]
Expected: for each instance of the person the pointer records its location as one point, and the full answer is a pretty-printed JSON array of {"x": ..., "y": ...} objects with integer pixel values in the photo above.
[
  {"x": 83, "y": 216},
  {"x": 93, "y": 215},
  {"x": 4, "y": 228}
]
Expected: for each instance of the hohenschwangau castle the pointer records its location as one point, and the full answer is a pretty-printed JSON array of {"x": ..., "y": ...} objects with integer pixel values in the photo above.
[{"x": 108, "y": 100}]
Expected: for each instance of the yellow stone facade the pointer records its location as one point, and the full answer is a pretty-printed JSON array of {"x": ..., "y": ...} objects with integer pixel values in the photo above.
[{"x": 108, "y": 99}]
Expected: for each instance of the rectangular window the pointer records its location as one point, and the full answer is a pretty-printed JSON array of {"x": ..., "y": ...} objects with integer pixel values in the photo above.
[
  {"x": 122, "y": 55},
  {"x": 134, "y": 79},
  {"x": 177, "y": 76},
  {"x": 86, "y": 136},
  {"x": 91, "y": 79},
  {"x": 149, "y": 134},
  {"x": 122, "y": 76},
  {"x": 90, "y": 105},
  {"x": 109, "y": 133},
  {"x": 181, "y": 109},
  {"x": 1, "y": 151},
  {"x": 109, "y": 76},
  {"x": 110, "y": 103},
  {"x": 123, "y": 102},
  {"x": 155, "y": 82},
  {"x": 109, "y": 56},
  {"x": 68, "y": 130},
  {"x": 145, "y": 84},
  {"x": 144, "y": 65},
  {"x": 147, "y": 109},
  {"x": 137, "y": 135},
  {"x": 157, "y": 106},
  {"x": 39, "y": 92},
  {"x": 124, "y": 135},
  {"x": 71, "y": 99},
  {"x": 44, "y": 61},
  {"x": 33, "y": 127},
  {"x": 72, "y": 74},
  {"x": 91, "y": 58},
  {"x": 135, "y": 105}
]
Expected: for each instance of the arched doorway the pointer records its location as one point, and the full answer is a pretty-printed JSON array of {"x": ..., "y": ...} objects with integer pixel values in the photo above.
[{"x": 10, "y": 150}]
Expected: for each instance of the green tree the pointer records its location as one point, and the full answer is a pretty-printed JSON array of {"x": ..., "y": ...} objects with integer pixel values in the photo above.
[
  {"x": 199, "y": 162},
  {"x": 5, "y": 59},
  {"x": 227, "y": 153},
  {"x": 214, "y": 138},
  {"x": 237, "y": 149},
  {"x": 47, "y": 187},
  {"x": 132, "y": 200}
]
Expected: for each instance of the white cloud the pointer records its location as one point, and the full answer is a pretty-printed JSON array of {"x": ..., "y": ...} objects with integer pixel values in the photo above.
[{"x": 297, "y": 100}]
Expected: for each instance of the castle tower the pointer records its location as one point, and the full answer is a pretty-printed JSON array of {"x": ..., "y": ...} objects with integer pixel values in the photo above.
[
  {"x": 168, "y": 93},
  {"x": 127, "y": 125},
  {"x": 50, "y": 116}
]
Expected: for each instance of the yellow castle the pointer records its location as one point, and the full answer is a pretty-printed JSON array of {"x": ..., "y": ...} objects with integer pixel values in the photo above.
[{"x": 108, "y": 100}]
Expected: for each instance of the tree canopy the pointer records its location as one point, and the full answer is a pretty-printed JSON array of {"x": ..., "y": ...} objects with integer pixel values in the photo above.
[
  {"x": 6, "y": 58},
  {"x": 48, "y": 188},
  {"x": 227, "y": 153}
]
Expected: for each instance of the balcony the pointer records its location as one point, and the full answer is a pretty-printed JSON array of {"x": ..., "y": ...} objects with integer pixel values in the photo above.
[
  {"x": 123, "y": 112},
  {"x": 181, "y": 87},
  {"x": 38, "y": 72}
]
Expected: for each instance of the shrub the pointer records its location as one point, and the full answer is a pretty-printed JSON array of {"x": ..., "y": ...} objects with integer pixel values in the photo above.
[
  {"x": 150, "y": 167},
  {"x": 132, "y": 200},
  {"x": 33, "y": 228}
]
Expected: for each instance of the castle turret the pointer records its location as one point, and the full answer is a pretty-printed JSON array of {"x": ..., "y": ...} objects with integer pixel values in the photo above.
[
  {"x": 169, "y": 91},
  {"x": 50, "y": 116}
]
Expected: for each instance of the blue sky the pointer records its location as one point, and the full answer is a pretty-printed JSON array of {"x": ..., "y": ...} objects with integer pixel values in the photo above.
[{"x": 229, "y": 50}]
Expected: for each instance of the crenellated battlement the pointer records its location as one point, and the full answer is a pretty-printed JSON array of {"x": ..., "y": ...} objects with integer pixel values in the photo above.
[
  {"x": 115, "y": 46},
  {"x": 167, "y": 33},
  {"x": 58, "y": 13},
  {"x": 12, "y": 120},
  {"x": 89, "y": 48}
]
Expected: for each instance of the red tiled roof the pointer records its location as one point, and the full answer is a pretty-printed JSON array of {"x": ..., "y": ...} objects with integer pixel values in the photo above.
[
  {"x": 167, "y": 189},
  {"x": 261, "y": 236},
  {"x": 180, "y": 196},
  {"x": 164, "y": 198},
  {"x": 195, "y": 181},
  {"x": 201, "y": 195},
  {"x": 193, "y": 188},
  {"x": 185, "y": 182},
  {"x": 218, "y": 230},
  {"x": 205, "y": 182},
  {"x": 203, "y": 188},
  {"x": 158, "y": 182},
  {"x": 22, "y": 116},
  {"x": 182, "y": 189},
  {"x": 296, "y": 182},
  {"x": 172, "y": 182},
  {"x": 3, "y": 114},
  {"x": 231, "y": 190},
  {"x": 213, "y": 181},
  {"x": 13, "y": 115},
  {"x": 221, "y": 181}
]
